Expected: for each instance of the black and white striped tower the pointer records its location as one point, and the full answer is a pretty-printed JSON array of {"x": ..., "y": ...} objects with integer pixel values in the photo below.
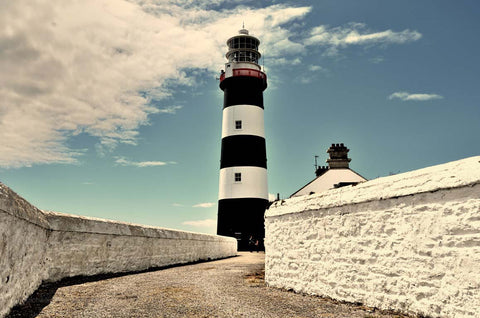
[{"x": 243, "y": 193}]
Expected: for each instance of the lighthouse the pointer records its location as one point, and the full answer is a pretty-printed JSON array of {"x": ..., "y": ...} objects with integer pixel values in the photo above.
[{"x": 243, "y": 192}]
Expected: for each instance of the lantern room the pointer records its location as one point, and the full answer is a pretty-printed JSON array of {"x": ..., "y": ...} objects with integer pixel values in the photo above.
[{"x": 243, "y": 48}]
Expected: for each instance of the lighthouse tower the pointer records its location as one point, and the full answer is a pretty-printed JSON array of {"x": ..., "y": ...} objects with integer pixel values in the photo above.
[{"x": 243, "y": 193}]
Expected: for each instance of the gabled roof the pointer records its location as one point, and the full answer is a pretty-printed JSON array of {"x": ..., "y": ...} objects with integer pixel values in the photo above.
[{"x": 328, "y": 180}]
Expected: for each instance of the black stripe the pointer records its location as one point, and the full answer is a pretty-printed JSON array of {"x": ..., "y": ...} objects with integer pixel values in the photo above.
[
  {"x": 241, "y": 218},
  {"x": 243, "y": 150},
  {"x": 241, "y": 90}
]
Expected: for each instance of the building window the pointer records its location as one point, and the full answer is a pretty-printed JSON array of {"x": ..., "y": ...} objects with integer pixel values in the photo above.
[
  {"x": 238, "y": 124},
  {"x": 238, "y": 177}
]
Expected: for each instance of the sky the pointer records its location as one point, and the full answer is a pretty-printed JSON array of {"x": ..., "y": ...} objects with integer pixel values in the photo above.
[{"x": 111, "y": 108}]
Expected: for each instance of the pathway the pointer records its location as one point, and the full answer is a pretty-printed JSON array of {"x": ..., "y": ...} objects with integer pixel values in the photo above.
[{"x": 232, "y": 287}]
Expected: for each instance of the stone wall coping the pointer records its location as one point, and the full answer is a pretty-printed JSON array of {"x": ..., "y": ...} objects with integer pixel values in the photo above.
[
  {"x": 75, "y": 223},
  {"x": 455, "y": 174},
  {"x": 15, "y": 205}
]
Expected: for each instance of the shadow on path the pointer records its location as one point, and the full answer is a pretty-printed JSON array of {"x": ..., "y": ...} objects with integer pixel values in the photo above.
[{"x": 44, "y": 294}]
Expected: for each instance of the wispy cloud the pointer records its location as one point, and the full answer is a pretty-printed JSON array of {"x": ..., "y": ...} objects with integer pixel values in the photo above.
[
  {"x": 122, "y": 161},
  {"x": 405, "y": 96},
  {"x": 204, "y": 205},
  {"x": 169, "y": 109},
  {"x": 377, "y": 60},
  {"x": 201, "y": 223},
  {"x": 284, "y": 61},
  {"x": 356, "y": 34},
  {"x": 314, "y": 68},
  {"x": 305, "y": 79},
  {"x": 198, "y": 205}
]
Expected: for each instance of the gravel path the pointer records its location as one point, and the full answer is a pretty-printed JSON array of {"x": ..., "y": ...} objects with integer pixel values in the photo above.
[{"x": 231, "y": 287}]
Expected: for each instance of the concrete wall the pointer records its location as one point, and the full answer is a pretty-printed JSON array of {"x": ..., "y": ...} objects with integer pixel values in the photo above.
[
  {"x": 41, "y": 246},
  {"x": 409, "y": 242}
]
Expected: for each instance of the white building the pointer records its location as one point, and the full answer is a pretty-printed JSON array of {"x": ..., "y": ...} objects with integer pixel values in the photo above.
[{"x": 336, "y": 174}]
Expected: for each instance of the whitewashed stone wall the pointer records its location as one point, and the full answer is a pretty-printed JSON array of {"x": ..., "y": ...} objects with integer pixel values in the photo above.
[
  {"x": 88, "y": 246},
  {"x": 39, "y": 246},
  {"x": 409, "y": 242},
  {"x": 22, "y": 249}
]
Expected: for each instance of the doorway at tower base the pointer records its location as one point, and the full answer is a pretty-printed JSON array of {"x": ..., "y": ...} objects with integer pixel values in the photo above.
[{"x": 242, "y": 218}]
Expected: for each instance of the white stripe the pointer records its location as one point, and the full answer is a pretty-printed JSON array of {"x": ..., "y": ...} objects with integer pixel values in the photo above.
[
  {"x": 253, "y": 184},
  {"x": 229, "y": 67},
  {"x": 251, "y": 117},
  {"x": 251, "y": 65}
]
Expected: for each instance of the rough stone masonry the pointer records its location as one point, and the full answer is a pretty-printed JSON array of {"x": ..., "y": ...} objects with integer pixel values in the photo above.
[{"x": 408, "y": 242}]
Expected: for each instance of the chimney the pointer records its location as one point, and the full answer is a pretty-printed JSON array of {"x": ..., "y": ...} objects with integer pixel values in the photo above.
[
  {"x": 338, "y": 156},
  {"x": 321, "y": 170}
]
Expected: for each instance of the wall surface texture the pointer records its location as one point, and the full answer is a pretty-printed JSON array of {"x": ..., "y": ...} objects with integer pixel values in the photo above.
[
  {"x": 409, "y": 242},
  {"x": 39, "y": 246}
]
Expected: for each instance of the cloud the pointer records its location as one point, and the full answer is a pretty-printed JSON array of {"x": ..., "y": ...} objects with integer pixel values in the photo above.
[
  {"x": 170, "y": 109},
  {"x": 356, "y": 34},
  {"x": 122, "y": 161},
  {"x": 204, "y": 205},
  {"x": 99, "y": 67},
  {"x": 199, "y": 205},
  {"x": 282, "y": 61},
  {"x": 202, "y": 223},
  {"x": 377, "y": 60},
  {"x": 102, "y": 67},
  {"x": 314, "y": 68},
  {"x": 404, "y": 96},
  {"x": 306, "y": 79}
]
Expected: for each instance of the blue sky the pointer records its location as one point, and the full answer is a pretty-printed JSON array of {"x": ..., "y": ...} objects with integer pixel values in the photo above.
[{"x": 112, "y": 108}]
